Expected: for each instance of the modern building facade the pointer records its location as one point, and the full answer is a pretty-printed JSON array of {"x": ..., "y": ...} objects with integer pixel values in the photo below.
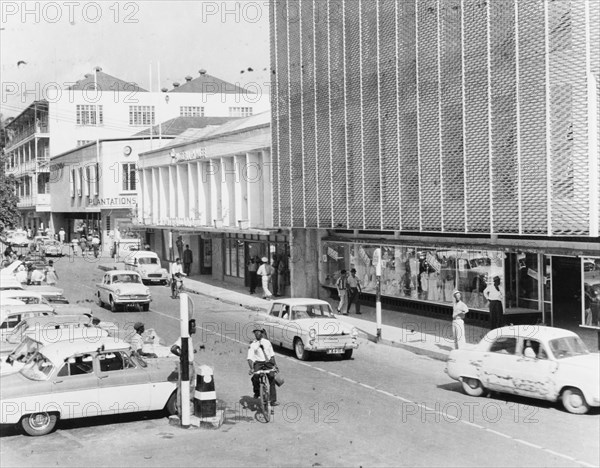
[
  {"x": 212, "y": 188},
  {"x": 102, "y": 106},
  {"x": 445, "y": 141}
]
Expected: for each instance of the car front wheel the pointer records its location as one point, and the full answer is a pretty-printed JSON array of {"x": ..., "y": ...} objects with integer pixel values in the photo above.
[
  {"x": 472, "y": 387},
  {"x": 347, "y": 354},
  {"x": 574, "y": 401},
  {"x": 113, "y": 304},
  {"x": 100, "y": 303},
  {"x": 301, "y": 353},
  {"x": 171, "y": 406},
  {"x": 39, "y": 424}
]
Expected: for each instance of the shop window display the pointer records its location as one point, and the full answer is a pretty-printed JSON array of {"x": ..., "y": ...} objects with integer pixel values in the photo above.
[
  {"x": 416, "y": 273},
  {"x": 591, "y": 292}
]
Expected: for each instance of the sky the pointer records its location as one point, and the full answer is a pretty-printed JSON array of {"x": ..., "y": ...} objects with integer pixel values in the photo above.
[{"x": 61, "y": 41}]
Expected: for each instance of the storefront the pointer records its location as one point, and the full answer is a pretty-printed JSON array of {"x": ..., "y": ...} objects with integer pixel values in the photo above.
[{"x": 536, "y": 287}]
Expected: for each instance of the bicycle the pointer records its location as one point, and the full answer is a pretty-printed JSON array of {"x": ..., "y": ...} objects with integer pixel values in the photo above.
[
  {"x": 176, "y": 285},
  {"x": 264, "y": 398}
]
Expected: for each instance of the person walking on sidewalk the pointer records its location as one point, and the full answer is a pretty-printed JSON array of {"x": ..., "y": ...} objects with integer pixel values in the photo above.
[
  {"x": 493, "y": 294},
  {"x": 188, "y": 259},
  {"x": 459, "y": 311},
  {"x": 252, "y": 268},
  {"x": 354, "y": 290},
  {"x": 265, "y": 271},
  {"x": 342, "y": 286}
]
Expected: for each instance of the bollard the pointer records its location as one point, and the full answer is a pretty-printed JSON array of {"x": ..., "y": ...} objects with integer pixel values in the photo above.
[{"x": 205, "y": 397}]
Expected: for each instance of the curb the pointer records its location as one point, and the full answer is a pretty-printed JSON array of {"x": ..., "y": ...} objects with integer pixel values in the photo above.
[
  {"x": 438, "y": 355},
  {"x": 225, "y": 301},
  {"x": 106, "y": 267}
]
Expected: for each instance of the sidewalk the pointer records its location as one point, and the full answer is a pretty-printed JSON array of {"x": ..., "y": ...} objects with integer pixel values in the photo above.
[{"x": 422, "y": 335}]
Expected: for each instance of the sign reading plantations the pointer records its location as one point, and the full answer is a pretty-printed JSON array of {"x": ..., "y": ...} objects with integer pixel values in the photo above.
[{"x": 114, "y": 202}]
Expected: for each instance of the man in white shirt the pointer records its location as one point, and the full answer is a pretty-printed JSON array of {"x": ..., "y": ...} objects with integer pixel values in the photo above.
[
  {"x": 36, "y": 276},
  {"x": 493, "y": 294},
  {"x": 176, "y": 274},
  {"x": 262, "y": 357},
  {"x": 265, "y": 271}
]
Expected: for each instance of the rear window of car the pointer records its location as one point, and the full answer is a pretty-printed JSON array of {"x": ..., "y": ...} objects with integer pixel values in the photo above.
[{"x": 504, "y": 345}]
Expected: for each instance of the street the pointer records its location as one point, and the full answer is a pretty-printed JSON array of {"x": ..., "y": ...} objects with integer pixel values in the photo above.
[{"x": 385, "y": 406}]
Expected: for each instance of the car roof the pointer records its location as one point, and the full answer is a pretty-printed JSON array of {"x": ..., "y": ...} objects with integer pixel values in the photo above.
[
  {"x": 57, "y": 319},
  {"x": 44, "y": 288},
  {"x": 143, "y": 253},
  {"x": 19, "y": 292},
  {"x": 74, "y": 309},
  {"x": 8, "y": 310},
  {"x": 70, "y": 334},
  {"x": 300, "y": 301},
  {"x": 58, "y": 352},
  {"x": 529, "y": 331},
  {"x": 123, "y": 272}
]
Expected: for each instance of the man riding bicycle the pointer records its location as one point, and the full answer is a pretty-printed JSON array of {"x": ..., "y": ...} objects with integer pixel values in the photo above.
[
  {"x": 262, "y": 357},
  {"x": 177, "y": 275}
]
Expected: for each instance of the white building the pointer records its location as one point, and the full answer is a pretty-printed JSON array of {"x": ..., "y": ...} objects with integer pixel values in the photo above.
[
  {"x": 101, "y": 106},
  {"x": 214, "y": 190}
]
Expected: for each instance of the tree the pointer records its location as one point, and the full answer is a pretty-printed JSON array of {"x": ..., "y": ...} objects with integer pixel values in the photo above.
[{"x": 9, "y": 213}]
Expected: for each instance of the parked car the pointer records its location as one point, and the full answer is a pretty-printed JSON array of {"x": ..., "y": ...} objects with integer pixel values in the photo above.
[
  {"x": 122, "y": 289},
  {"x": 20, "y": 355},
  {"x": 308, "y": 326},
  {"x": 24, "y": 295},
  {"x": 51, "y": 327},
  {"x": 147, "y": 264},
  {"x": 11, "y": 315},
  {"x": 51, "y": 294},
  {"x": 533, "y": 361},
  {"x": 38, "y": 241},
  {"x": 18, "y": 238},
  {"x": 80, "y": 379},
  {"x": 9, "y": 282},
  {"x": 51, "y": 248}
]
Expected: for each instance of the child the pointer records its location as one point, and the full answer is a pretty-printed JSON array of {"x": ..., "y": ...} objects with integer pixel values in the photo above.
[{"x": 51, "y": 275}]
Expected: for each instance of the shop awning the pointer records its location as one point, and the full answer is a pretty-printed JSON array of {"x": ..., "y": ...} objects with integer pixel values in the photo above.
[{"x": 207, "y": 229}]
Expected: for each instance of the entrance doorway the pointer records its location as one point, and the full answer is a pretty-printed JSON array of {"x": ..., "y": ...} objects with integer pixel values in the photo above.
[
  {"x": 566, "y": 292},
  {"x": 205, "y": 256}
]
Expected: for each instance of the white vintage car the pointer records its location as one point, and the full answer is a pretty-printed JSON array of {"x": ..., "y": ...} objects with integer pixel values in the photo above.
[
  {"x": 533, "y": 361},
  {"x": 147, "y": 264},
  {"x": 24, "y": 295},
  {"x": 11, "y": 315},
  {"x": 81, "y": 379},
  {"x": 122, "y": 289},
  {"x": 20, "y": 355},
  {"x": 308, "y": 326}
]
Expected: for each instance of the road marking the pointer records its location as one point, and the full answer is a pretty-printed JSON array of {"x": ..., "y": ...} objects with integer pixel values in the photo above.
[{"x": 398, "y": 397}]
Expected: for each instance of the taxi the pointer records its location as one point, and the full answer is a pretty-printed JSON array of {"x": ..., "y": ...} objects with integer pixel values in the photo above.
[{"x": 122, "y": 289}]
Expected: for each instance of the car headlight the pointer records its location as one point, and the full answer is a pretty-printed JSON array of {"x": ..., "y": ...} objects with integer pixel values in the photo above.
[
  {"x": 354, "y": 332},
  {"x": 312, "y": 333},
  {"x": 118, "y": 292},
  {"x": 147, "y": 291}
]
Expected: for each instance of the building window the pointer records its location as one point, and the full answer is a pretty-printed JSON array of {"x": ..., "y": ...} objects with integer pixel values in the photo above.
[
  {"x": 191, "y": 111},
  {"x": 240, "y": 111},
  {"x": 234, "y": 258},
  {"x": 141, "y": 115},
  {"x": 87, "y": 114},
  {"x": 129, "y": 176}
]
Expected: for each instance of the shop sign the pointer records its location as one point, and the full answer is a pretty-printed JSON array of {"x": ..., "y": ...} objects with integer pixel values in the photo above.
[
  {"x": 113, "y": 202},
  {"x": 198, "y": 153}
]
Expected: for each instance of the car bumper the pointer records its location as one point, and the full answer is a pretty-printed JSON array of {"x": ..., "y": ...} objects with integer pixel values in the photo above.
[
  {"x": 126, "y": 300},
  {"x": 322, "y": 346}
]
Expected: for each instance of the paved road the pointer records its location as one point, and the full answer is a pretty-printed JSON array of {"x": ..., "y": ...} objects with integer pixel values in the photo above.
[{"x": 385, "y": 407}]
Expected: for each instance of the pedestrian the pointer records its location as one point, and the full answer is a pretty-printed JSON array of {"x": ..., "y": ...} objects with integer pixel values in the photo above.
[
  {"x": 29, "y": 232},
  {"x": 61, "y": 235},
  {"x": 96, "y": 244},
  {"x": 342, "y": 286},
  {"x": 252, "y": 268},
  {"x": 137, "y": 342},
  {"x": 188, "y": 259},
  {"x": 265, "y": 271},
  {"x": 459, "y": 311},
  {"x": 83, "y": 245},
  {"x": 51, "y": 275},
  {"x": 36, "y": 277},
  {"x": 179, "y": 245},
  {"x": 262, "y": 357},
  {"x": 493, "y": 294},
  {"x": 354, "y": 289},
  {"x": 281, "y": 272},
  {"x": 74, "y": 245}
]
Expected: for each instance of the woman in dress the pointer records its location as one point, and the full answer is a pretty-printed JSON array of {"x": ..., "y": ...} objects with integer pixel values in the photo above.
[
  {"x": 459, "y": 311},
  {"x": 51, "y": 275}
]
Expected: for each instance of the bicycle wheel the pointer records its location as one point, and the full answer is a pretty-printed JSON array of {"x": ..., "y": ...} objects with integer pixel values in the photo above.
[{"x": 264, "y": 402}]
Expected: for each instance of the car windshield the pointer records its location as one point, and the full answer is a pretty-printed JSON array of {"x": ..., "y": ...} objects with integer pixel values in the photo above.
[
  {"x": 38, "y": 368},
  {"x": 28, "y": 299},
  {"x": 24, "y": 351},
  {"x": 148, "y": 261},
  {"x": 17, "y": 333},
  {"x": 124, "y": 278},
  {"x": 312, "y": 311},
  {"x": 568, "y": 346}
]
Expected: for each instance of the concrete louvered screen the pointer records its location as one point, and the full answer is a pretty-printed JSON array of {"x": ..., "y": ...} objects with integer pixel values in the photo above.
[
  {"x": 275, "y": 143},
  {"x": 435, "y": 116}
]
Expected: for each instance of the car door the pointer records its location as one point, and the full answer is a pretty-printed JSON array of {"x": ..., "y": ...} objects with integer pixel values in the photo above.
[
  {"x": 124, "y": 386},
  {"x": 274, "y": 325},
  {"x": 104, "y": 288},
  {"x": 75, "y": 387},
  {"x": 498, "y": 364},
  {"x": 533, "y": 374}
]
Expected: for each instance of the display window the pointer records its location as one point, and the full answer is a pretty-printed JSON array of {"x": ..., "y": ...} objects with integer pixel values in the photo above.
[
  {"x": 590, "y": 315},
  {"x": 416, "y": 272}
]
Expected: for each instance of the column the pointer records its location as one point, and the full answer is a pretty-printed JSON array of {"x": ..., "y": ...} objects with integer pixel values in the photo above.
[
  {"x": 240, "y": 188},
  {"x": 227, "y": 191},
  {"x": 154, "y": 195},
  {"x": 172, "y": 187},
  {"x": 193, "y": 207},
  {"x": 267, "y": 188},
  {"x": 253, "y": 180},
  {"x": 214, "y": 178}
]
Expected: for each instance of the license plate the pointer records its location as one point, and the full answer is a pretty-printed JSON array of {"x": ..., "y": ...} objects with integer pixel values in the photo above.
[{"x": 335, "y": 351}]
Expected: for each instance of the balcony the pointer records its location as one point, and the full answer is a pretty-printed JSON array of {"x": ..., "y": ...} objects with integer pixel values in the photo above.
[
  {"x": 26, "y": 132},
  {"x": 40, "y": 201}
]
